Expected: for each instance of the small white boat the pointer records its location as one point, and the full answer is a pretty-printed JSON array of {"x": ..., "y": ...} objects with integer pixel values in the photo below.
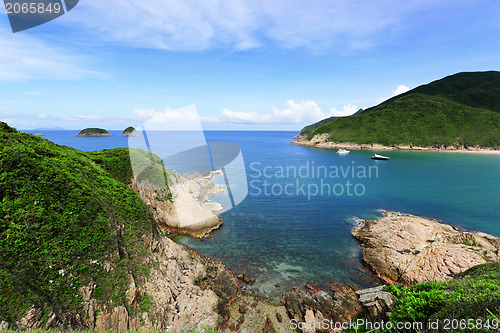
[
  {"x": 379, "y": 157},
  {"x": 342, "y": 151}
]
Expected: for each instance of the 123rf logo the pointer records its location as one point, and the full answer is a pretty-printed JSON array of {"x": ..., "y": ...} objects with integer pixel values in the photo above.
[{"x": 26, "y": 14}]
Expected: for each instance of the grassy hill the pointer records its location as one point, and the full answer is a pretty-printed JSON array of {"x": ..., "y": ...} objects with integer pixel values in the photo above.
[
  {"x": 65, "y": 216},
  {"x": 463, "y": 108}
]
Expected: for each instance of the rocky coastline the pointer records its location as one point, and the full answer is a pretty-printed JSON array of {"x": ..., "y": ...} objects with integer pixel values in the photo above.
[
  {"x": 185, "y": 290},
  {"x": 322, "y": 141},
  {"x": 184, "y": 207},
  {"x": 408, "y": 249}
]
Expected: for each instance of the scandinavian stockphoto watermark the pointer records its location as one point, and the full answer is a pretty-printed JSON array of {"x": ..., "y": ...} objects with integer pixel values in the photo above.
[
  {"x": 175, "y": 140},
  {"x": 310, "y": 180},
  {"x": 26, "y": 14}
]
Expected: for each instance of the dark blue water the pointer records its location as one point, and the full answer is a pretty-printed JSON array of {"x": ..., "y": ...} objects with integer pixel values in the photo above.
[{"x": 294, "y": 226}]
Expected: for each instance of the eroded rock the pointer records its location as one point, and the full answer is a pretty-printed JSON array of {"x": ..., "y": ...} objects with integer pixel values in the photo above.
[
  {"x": 338, "y": 304},
  {"x": 410, "y": 249}
]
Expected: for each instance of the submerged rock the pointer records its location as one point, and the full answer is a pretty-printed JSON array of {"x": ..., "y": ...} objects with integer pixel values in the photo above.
[{"x": 409, "y": 249}]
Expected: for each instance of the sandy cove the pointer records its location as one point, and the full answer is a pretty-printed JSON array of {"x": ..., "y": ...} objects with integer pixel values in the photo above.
[{"x": 321, "y": 141}]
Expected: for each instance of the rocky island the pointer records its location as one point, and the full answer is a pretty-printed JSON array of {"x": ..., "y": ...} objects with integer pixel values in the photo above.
[
  {"x": 130, "y": 131},
  {"x": 93, "y": 132}
]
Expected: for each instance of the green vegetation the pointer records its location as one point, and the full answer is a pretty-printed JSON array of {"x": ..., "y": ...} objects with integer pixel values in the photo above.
[
  {"x": 461, "y": 109},
  {"x": 129, "y": 129},
  {"x": 309, "y": 128},
  {"x": 471, "y": 300},
  {"x": 93, "y": 131},
  {"x": 64, "y": 216}
]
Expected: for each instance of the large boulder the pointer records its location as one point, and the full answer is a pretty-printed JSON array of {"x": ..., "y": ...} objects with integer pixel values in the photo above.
[{"x": 409, "y": 249}]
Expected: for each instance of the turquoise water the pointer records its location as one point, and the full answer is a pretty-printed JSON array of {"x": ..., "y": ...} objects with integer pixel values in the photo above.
[{"x": 289, "y": 238}]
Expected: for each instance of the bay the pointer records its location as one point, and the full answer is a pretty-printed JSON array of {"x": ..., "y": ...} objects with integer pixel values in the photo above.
[{"x": 299, "y": 230}]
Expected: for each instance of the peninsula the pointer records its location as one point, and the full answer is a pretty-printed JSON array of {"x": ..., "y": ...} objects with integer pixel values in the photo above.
[{"x": 458, "y": 112}]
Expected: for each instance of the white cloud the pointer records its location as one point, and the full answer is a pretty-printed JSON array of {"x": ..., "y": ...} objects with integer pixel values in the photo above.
[
  {"x": 401, "y": 89},
  {"x": 242, "y": 24},
  {"x": 26, "y": 58},
  {"x": 296, "y": 113},
  {"x": 246, "y": 117},
  {"x": 347, "y": 110}
]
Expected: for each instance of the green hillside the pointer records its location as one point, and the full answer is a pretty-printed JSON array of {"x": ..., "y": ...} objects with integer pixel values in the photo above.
[
  {"x": 65, "y": 213},
  {"x": 463, "y": 108},
  {"x": 309, "y": 128}
]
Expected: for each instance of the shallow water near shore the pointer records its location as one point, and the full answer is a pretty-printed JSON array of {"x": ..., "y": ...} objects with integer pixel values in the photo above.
[{"x": 294, "y": 226}]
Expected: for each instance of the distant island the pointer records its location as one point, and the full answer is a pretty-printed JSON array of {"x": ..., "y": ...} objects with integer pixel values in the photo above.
[
  {"x": 130, "y": 131},
  {"x": 461, "y": 111},
  {"x": 90, "y": 132}
]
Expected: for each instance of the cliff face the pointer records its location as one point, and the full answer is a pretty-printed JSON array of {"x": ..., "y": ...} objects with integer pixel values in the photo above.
[{"x": 169, "y": 298}]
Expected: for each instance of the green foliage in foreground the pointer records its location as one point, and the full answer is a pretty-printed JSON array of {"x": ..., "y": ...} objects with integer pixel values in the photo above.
[
  {"x": 463, "y": 108},
  {"x": 468, "y": 303},
  {"x": 64, "y": 215},
  {"x": 93, "y": 131}
]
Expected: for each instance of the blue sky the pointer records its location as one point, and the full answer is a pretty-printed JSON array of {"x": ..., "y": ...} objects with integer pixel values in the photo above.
[{"x": 250, "y": 65}]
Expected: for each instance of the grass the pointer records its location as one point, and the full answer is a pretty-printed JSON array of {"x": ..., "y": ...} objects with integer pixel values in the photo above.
[
  {"x": 470, "y": 300},
  {"x": 64, "y": 214}
]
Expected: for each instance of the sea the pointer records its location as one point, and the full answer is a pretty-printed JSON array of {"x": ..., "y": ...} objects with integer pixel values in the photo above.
[{"x": 293, "y": 227}]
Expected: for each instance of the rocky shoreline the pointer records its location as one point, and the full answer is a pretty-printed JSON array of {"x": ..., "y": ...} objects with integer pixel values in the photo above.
[
  {"x": 186, "y": 290},
  {"x": 184, "y": 208},
  {"x": 321, "y": 141},
  {"x": 408, "y": 249}
]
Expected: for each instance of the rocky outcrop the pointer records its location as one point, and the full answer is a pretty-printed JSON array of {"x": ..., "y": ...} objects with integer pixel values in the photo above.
[
  {"x": 185, "y": 206},
  {"x": 315, "y": 306},
  {"x": 409, "y": 249},
  {"x": 182, "y": 291},
  {"x": 376, "y": 303}
]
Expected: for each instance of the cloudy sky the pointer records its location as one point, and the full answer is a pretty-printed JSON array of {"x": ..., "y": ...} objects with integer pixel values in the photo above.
[{"x": 244, "y": 64}]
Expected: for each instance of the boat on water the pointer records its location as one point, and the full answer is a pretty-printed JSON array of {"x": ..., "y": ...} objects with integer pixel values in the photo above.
[
  {"x": 379, "y": 157},
  {"x": 342, "y": 151}
]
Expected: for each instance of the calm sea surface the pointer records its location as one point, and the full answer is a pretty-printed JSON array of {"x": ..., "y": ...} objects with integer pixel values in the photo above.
[{"x": 294, "y": 226}]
